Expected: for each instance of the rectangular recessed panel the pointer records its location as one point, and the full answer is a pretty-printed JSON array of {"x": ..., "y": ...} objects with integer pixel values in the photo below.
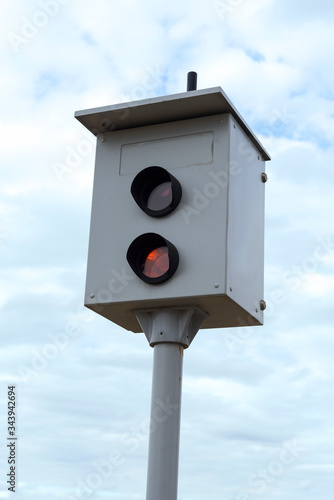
[{"x": 172, "y": 152}]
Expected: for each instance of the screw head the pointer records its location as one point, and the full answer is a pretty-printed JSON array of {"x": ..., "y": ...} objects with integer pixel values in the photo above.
[
  {"x": 263, "y": 305},
  {"x": 92, "y": 296}
]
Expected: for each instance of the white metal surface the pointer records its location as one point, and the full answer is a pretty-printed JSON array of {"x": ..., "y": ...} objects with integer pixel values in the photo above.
[
  {"x": 198, "y": 103},
  {"x": 221, "y": 260},
  {"x": 178, "y": 324},
  {"x": 245, "y": 231}
]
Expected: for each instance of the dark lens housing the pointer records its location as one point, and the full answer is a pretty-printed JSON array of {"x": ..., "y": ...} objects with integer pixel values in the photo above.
[
  {"x": 141, "y": 248},
  {"x": 156, "y": 191}
]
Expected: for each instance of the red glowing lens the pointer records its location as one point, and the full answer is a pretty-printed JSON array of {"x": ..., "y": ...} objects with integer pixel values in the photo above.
[{"x": 156, "y": 263}]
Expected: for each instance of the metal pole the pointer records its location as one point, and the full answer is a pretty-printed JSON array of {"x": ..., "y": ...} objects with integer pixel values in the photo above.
[
  {"x": 163, "y": 460},
  {"x": 168, "y": 331}
]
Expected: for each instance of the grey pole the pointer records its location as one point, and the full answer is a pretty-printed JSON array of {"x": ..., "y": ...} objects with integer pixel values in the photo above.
[
  {"x": 163, "y": 455},
  {"x": 168, "y": 331}
]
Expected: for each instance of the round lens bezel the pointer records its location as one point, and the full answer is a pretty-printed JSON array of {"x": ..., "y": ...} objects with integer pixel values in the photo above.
[
  {"x": 146, "y": 181},
  {"x": 141, "y": 247}
]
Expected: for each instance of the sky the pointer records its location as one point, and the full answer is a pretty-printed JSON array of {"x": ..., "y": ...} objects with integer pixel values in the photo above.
[{"x": 257, "y": 403}]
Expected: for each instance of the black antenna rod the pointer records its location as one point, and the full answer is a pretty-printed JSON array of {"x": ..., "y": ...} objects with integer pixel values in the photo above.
[{"x": 191, "y": 81}]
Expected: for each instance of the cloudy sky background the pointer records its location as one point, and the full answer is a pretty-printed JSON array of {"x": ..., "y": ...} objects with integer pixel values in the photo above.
[{"x": 257, "y": 407}]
